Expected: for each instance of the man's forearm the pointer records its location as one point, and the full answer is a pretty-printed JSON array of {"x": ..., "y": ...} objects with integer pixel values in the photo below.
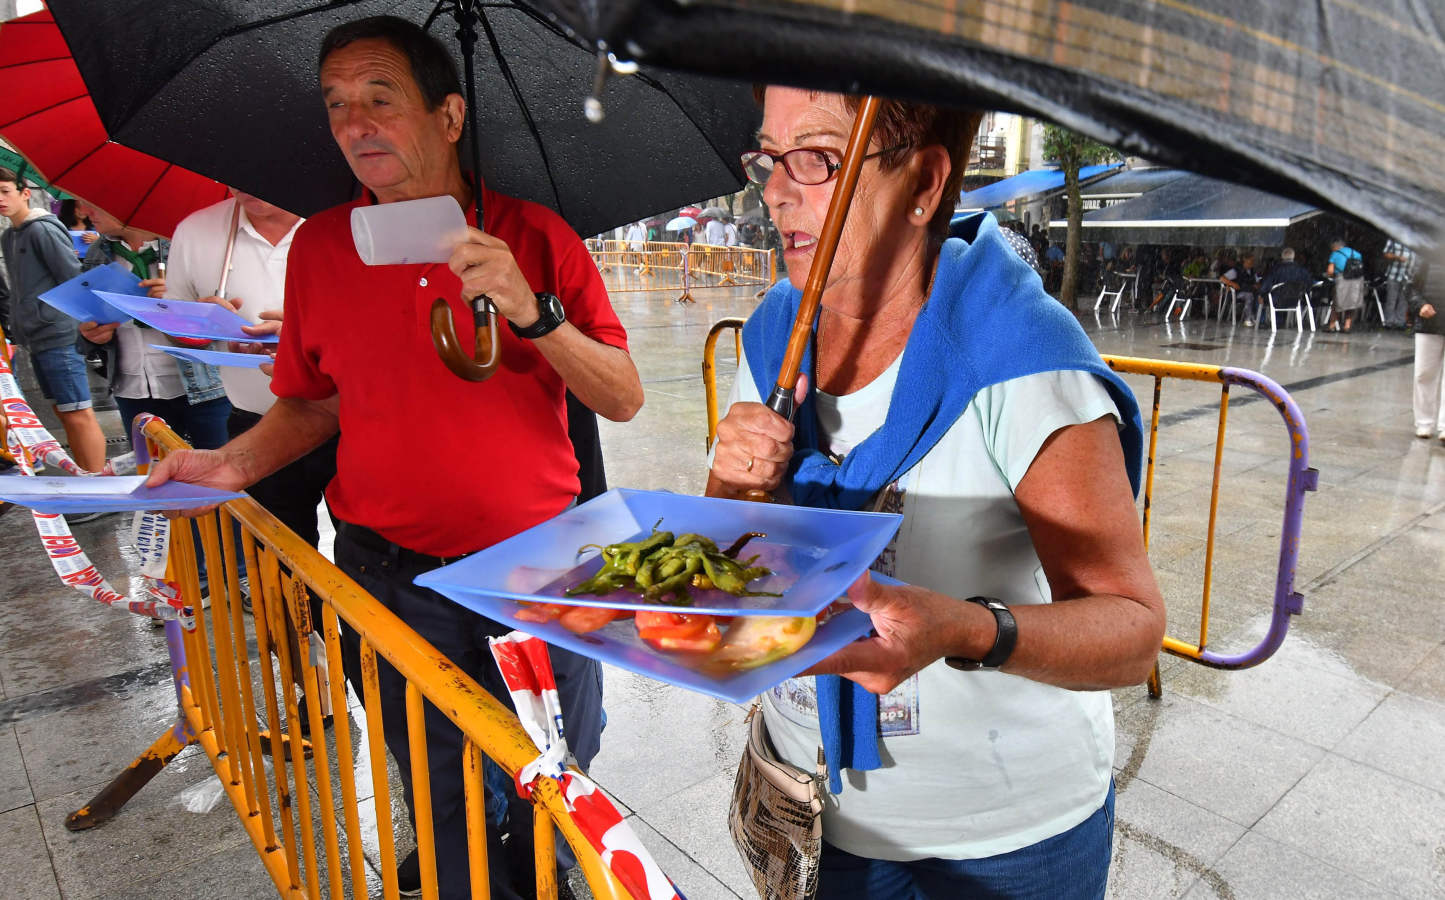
[
  {"x": 603, "y": 377},
  {"x": 289, "y": 430}
]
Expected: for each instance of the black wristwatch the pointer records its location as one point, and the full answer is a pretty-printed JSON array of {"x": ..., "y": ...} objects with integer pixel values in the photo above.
[
  {"x": 1003, "y": 643},
  {"x": 550, "y": 314}
]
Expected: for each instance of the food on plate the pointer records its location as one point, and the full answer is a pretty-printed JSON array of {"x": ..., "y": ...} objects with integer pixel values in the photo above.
[
  {"x": 664, "y": 566},
  {"x": 753, "y": 641}
]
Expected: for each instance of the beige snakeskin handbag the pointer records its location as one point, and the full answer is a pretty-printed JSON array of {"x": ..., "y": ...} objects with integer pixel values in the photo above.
[{"x": 776, "y": 818}]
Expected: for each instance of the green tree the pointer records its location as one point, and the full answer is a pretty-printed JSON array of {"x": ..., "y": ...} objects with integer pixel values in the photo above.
[{"x": 1072, "y": 151}]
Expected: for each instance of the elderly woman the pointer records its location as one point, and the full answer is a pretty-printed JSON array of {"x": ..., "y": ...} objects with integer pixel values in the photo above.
[{"x": 976, "y": 726}]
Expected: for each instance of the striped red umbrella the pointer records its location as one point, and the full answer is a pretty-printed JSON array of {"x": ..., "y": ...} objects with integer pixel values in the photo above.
[{"x": 48, "y": 116}]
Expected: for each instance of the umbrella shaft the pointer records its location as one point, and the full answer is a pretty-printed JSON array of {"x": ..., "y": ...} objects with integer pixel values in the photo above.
[{"x": 781, "y": 400}]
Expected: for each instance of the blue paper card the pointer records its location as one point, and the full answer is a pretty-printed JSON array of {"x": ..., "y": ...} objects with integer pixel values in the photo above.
[
  {"x": 217, "y": 357},
  {"x": 77, "y": 298},
  {"x": 814, "y": 553},
  {"x": 77, "y": 240},
  {"x": 187, "y": 318},
  {"x": 107, "y": 493}
]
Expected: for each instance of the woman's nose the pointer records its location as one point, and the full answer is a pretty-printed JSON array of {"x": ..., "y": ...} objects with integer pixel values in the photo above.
[{"x": 779, "y": 187}]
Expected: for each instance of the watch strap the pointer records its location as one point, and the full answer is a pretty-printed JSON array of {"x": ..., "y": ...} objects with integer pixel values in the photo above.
[
  {"x": 1003, "y": 642},
  {"x": 550, "y": 316}
]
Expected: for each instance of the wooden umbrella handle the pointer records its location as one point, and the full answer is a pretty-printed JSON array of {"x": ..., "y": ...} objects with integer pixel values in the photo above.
[
  {"x": 781, "y": 400},
  {"x": 483, "y": 360}
]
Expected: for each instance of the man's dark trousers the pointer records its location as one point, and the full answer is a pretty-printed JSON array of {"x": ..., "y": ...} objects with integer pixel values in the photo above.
[{"x": 461, "y": 635}]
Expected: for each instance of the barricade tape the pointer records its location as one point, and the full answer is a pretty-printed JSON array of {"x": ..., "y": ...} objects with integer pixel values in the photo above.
[
  {"x": 26, "y": 438},
  {"x": 526, "y": 668}
]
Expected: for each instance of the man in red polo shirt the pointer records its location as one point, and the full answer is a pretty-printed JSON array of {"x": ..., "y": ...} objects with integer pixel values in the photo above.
[{"x": 431, "y": 467}]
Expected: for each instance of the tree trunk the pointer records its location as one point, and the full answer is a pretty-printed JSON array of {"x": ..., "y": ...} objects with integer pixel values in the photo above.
[{"x": 1068, "y": 291}]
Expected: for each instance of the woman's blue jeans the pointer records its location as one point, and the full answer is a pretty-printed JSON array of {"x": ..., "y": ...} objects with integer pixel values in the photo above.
[{"x": 1069, "y": 866}]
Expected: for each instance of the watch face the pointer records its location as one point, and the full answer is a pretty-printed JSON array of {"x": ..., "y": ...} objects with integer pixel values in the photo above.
[{"x": 549, "y": 306}]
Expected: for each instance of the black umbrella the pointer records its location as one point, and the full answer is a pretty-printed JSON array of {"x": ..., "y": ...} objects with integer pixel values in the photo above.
[
  {"x": 1335, "y": 103},
  {"x": 228, "y": 88}
]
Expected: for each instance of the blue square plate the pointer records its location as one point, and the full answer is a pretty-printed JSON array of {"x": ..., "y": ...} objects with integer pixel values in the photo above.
[
  {"x": 216, "y": 357},
  {"x": 814, "y": 553},
  {"x": 186, "y": 318},
  {"x": 77, "y": 298},
  {"x": 107, "y": 493},
  {"x": 617, "y": 643}
]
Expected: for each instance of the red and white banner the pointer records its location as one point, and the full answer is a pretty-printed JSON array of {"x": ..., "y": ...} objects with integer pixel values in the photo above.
[
  {"x": 527, "y": 670},
  {"x": 26, "y": 439}
]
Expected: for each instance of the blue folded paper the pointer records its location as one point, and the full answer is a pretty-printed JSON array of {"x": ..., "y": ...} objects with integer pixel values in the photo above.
[
  {"x": 187, "y": 318},
  {"x": 217, "y": 357},
  {"x": 78, "y": 299},
  {"x": 105, "y": 493}
]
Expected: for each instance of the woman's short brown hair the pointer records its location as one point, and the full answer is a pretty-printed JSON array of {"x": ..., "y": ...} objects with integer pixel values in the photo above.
[{"x": 915, "y": 125}]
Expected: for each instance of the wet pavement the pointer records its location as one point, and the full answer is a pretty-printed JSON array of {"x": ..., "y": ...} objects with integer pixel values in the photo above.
[{"x": 1320, "y": 773}]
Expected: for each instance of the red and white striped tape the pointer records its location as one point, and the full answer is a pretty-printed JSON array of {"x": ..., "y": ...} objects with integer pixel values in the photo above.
[
  {"x": 526, "y": 668},
  {"x": 26, "y": 438}
]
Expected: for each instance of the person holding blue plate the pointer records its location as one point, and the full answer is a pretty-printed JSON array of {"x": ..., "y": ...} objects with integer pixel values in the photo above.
[
  {"x": 188, "y": 395},
  {"x": 970, "y": 742}
]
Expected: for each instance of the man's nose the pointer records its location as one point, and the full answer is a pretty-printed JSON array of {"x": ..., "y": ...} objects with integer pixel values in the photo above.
[{"x": 356, "y": 120}]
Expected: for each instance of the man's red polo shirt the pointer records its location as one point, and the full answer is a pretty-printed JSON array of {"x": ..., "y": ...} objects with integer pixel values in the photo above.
[{"x": 434, "y": 463}]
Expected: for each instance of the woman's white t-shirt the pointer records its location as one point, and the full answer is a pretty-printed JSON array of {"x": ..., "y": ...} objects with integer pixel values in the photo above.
[{"x": 974, "y": 763}]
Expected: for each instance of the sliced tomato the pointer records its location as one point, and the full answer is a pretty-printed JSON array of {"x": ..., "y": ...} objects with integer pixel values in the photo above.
[
  {"x": 541, "y": 613},
  {"x": 582, "y": 619},
  {"x": 679, "y": 632}
]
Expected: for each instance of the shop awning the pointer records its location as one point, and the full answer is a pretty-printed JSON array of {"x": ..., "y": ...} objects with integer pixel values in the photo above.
[
  {"x": 1195, "y": 210},
  {"x": 1130, "y": 183},
  {"x": 1033, "y": 183}
]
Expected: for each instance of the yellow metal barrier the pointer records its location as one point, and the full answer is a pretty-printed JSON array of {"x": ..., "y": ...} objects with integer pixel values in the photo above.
[
  {"x": 215, "y": 690},
  {"x": 1301, "y": 479},
  {"x": 659, "y": 265}
]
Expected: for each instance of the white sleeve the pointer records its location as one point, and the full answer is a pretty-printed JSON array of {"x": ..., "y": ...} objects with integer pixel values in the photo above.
[
  {"x": 181, "y": 266},
  {"x": 1020, "y": 414}
]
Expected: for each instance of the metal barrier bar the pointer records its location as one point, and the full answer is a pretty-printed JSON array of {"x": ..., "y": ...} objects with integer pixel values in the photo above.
[
  {"x": 1301, "y": 479},
  {"x": 217, "y": 709},
  {"x": 662, "y": 264}
]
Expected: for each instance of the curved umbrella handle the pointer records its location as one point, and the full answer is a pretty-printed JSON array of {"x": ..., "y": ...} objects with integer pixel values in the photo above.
[{"x": 479, "y": 364}]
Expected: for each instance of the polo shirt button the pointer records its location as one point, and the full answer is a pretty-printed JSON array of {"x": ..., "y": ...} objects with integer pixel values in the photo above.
[{"x": 422, "y": 282}]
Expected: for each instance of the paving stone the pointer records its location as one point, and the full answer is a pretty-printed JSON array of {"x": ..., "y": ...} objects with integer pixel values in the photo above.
[
  {"x": 1183, "y": 747},
  {"x": 1384, "y": 830},
  {"x": 696, "y": 820},
  {"x": 152, "y": 835},
  {"x": 1286, "y": 696},
  {"x": 1404, "y": 736},
  {"x": 1428, "y": 678},
  {"x": 23, "y": 858},
  {"x": 696, "y": 882},
  {"x": 14, "y": 780},
  {"x": 1260, "y": 867}
]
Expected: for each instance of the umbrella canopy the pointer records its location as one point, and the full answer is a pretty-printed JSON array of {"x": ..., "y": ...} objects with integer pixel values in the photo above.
[
  {"x": 681, "y": 223},
  {"x": 229, "y": 87},
  {"x": 49, "y": 117},
  {"x": 1336, "y": 103},
  {"x": 714, "y": 212}
]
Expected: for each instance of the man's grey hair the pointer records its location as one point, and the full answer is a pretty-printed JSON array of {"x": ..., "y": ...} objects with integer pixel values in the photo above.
[{"x": 1288, "y": 254}]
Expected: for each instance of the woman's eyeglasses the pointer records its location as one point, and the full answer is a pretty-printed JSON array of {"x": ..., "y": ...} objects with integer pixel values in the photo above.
[{"x": 805, "y": 165}]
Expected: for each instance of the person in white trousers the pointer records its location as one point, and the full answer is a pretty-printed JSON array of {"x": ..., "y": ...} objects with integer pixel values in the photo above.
[{"x": 1430, "y": 353}]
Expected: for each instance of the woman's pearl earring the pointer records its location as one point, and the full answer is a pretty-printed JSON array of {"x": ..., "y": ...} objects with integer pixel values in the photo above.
[{"x": 918, "y": 210}]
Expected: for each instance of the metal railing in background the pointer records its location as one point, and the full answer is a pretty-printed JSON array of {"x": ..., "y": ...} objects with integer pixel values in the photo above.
[
  {"x": 216, "y": 682},
  {"x": 1300, "y": 479},
  {"x": 664, "y": 266}
]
